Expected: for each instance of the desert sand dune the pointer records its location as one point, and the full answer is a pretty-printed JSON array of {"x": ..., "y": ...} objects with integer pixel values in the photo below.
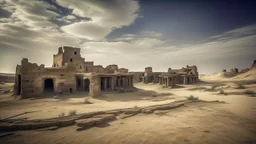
[
  {"x": 231, "y": 122},
  {"x": 229, "y": 76},
  {"x": 6, "y": 77},
  {"x": 249, "y": 75}
]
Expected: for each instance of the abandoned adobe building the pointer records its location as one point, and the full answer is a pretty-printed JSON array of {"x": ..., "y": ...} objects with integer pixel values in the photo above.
[
  {"x": 187, "y": 75},
  {"x": 69, "y": 73}
]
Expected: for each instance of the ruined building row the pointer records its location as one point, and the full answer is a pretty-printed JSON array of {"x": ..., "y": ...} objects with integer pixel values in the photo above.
[
  {"x": 71, "y": 73},
  {"x": 187, "y": 75}
]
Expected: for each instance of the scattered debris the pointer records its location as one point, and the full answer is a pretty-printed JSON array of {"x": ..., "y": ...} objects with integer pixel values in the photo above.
[{"x": 191, "y": 97}]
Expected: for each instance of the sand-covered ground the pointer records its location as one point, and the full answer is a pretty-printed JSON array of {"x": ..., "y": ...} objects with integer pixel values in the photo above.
[{"x": 231, "y": 122}]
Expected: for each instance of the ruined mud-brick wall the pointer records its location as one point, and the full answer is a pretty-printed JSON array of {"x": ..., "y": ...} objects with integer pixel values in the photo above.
[
  {"x": 150, "y": 76},
  {"x": 68, "y": 54},
  {"x": 111, "y": 68},
  {"x": 122, "y": 70},
  {"x": 192, "y": 70},
  {"x": 98, "y": 69},
  {"x": 27, "y": 78},
  {"x": 88, "y": 66},
  {"x": 64, "y": 79},
  {"x": 137, "y": 76},
  {"x": 32, "y": 78}
]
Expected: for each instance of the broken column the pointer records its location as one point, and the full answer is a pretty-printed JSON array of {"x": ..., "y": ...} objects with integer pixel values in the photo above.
[{"x": 95, "y": 86}]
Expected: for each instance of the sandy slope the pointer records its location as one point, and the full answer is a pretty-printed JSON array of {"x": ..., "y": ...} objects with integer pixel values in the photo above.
[
  {"x": 227, "y": 76},
  {"x": 233, "y": 122},
  {"x": 249, "y": 75},
  {"x": 196, "y": 124}
]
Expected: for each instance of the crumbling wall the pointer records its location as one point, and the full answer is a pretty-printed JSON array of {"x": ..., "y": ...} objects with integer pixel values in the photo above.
[
  {"x": 89, "y": 66},
  {"x": 148, "y": 69},
  {"x": 122, "y": 70},
  {"x": 98, "y": 69},
  {"x": 32, "y": 79},
  {"x": 68, "y": 54},
  {"x": 29, "y": 82},
  {"x": 64, "y": 80},
  {"x": 111, "y": 68},
  {"x": 57, "y": 60},
  {"x": 137, "y": 76}
]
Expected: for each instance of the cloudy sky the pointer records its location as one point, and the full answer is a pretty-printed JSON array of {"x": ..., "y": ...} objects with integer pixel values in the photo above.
[{"x": 133, "y": 34}]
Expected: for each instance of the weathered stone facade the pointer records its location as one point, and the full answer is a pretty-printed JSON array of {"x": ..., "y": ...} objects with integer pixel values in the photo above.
[
  {"x": 70, "y": 73},
  {"x": 187, "y": 75}
]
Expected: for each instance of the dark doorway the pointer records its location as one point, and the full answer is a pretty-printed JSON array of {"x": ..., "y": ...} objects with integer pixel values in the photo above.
[
  {"x": 86, "y": 85},
  {"x": 78, "y": 83},
  {"x": 140, "y": 79},
  {"x": 19, "y": 85},
  {"x": 108, "y": 82},
  {"x": 48, "y": 85},
  {"x": 117, "y": 79},
  {"x": 121, "y": 82},
  {"x": 188, "y": 80},
  {"x": 70, "y": 90},
  {"x": 152, "y": 78},
  {"x": 102, "y": 83}
]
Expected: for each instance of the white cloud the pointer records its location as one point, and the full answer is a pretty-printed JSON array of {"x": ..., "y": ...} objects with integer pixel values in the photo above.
[
  {"x": 29, "y": 32},
  {"x": 151, "y": 34},
  {"x": 105, "y": 16},
  {"x": 70, "y": 17},
  {"x": 32, "y": 13},
  {"x": 88, "y": 30}
]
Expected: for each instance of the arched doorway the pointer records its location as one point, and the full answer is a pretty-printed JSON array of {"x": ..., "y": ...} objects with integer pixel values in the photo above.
[
  {"x": 87, "y": 85},
  {"x": 48, "y": 85}
]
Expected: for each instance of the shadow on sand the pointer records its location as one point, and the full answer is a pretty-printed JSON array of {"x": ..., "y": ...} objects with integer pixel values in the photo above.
[{"x": 137, "y": 95}]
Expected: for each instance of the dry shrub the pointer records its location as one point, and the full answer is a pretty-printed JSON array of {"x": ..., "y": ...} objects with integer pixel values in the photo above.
[
  {"x": 249, "y": 92},
  {"x": 240, "y": 86},
  {"x": 62, "y": 114},
  {"x": 72, "y": 112}
]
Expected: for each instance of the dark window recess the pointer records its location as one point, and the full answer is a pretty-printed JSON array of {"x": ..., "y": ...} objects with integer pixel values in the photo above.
[
  {"x": 71, "y": 60},
  {"x": 61, "y": 74},
  {"x": 32, "y": 91},
  {"x": 70, "y": 90},
  {"x": 75, "y": 53},
  {"x": 27, "y": 80},
  {"x": 80, "y": 67}
]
